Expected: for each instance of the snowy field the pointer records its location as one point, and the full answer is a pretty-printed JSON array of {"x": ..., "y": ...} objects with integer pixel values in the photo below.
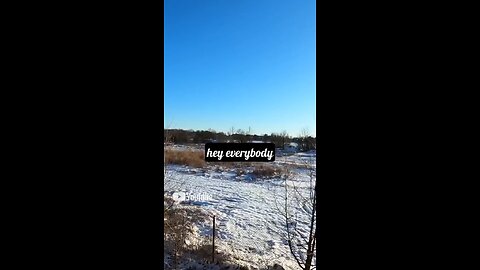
[{"x": 249, "y": 223}]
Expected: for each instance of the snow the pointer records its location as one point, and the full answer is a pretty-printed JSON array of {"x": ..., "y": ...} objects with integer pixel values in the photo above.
[{"x": 249, "y": 225}]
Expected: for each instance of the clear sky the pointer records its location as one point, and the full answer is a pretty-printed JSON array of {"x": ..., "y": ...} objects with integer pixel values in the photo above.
[{"x": 240, "y": 63}]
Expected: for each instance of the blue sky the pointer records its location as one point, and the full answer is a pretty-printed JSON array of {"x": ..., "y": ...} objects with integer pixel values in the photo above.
[{"x": 246, "y": 63}]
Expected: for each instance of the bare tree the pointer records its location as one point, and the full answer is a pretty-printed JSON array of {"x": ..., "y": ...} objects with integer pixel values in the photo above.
[
  {"x": 304, "y": 133},
  {"x": 284, "y": 136},
  {"x": 231, "y": 131},
  {"x": 277, "y": 140},
  {"x": 240, "y": 135},
  {"x": 306, "y": 139},
  {"x": 299, "y": 213}
]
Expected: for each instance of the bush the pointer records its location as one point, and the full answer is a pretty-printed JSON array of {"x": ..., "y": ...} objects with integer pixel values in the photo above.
[
  {"x": 185, "y": 157},
  {"x": 241, "y": 171},
  {"x": 267, "y": 171}
]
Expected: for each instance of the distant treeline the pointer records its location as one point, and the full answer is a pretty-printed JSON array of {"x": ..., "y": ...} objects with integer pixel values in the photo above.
[{"x": 180, "y": 136}]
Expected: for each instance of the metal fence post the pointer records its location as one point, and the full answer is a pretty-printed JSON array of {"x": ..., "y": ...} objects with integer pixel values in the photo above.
[{"x": 213, "y": 241}]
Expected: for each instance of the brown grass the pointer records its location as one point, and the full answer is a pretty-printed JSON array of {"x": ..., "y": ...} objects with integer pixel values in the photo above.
[
  {"x": 186, "y": 157},
  {"x": 267, "y": 171},
  {"x": 204, "y": 253},
  {"x": 178, "y": 227},
  {"x": 196, "y": 159}
]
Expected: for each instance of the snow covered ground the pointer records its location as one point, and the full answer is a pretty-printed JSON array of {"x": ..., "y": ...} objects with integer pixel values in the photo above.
[{"x": 249, "y": 224}]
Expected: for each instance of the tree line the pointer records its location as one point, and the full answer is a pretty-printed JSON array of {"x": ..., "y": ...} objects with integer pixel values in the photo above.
[{"x": 179, "y": 136}]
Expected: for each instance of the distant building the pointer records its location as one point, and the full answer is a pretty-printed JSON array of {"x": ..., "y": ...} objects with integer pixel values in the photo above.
[{"x": 290, "y": 148}]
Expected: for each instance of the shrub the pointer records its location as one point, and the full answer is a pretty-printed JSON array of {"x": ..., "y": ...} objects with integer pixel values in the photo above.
[
  {"x": 185, "y": 157},
  {"x": 266, "y": 171},
  {"x": 241, "y": 171}
]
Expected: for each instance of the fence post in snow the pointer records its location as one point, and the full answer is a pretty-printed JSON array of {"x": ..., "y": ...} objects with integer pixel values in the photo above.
[{"x": 213, "y": 241}]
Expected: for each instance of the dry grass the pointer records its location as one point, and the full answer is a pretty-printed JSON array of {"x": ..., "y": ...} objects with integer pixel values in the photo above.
[
  {"x": 178, "y": 227},
  {"x": 185, "y": 157},
  {"x": 264, "y": 171},
  {"x": 203, "y": 253},
  {"x": 196, "y": 159},
  {"x": 267, "y": 171},
  {"x": 259, "y": 170}
]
